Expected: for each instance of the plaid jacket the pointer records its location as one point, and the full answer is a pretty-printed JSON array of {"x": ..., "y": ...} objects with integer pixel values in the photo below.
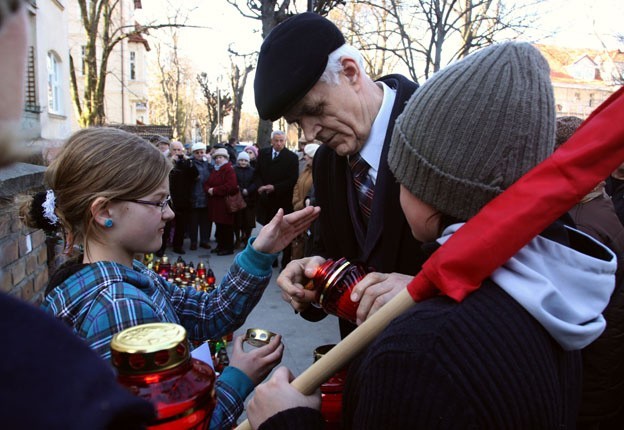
[{"x": 104, "y": 298}]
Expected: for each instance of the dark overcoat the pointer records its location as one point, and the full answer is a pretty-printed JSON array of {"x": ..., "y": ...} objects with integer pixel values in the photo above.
[
  {"x": 387, "y": 245},
  {"x": 281, "y": 172}
]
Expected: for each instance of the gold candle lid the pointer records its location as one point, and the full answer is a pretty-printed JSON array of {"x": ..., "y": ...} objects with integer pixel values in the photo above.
[
  {"x": 320, "y": 351},
  {"x": 149, "y": 348},
  {"x": 258, "y": 337}
]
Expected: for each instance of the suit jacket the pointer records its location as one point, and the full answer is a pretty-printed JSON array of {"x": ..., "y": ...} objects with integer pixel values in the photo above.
[
  {"x": 281, "y": 172},
  {"x": 388, "y": 244}
]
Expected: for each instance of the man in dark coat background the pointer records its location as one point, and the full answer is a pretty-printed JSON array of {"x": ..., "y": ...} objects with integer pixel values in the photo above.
[
  {"x": 181, "y": 181},
  {"x": 333, "y": 100},
  {"x": 277, "y": 170}
]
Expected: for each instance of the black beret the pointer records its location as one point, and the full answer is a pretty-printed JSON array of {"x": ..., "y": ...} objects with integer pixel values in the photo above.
[{"x": 292, "y": 59}]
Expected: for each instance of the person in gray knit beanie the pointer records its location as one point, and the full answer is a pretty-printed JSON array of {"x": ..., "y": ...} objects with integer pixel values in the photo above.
[{"x": 462, "y": 140}]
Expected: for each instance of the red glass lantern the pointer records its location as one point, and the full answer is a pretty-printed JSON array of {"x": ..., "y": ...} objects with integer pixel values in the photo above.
[
  {"x": 165, "y": 267},
  {"x": 331, "y": 393},
  {"x": 153, "y": 361},
  {"x": 333, "y": 282}
]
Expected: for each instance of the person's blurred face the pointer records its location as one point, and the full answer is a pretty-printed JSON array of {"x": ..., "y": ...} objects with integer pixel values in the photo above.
[
  {"x": 220, "y": 160},
  {"x": 335, "y": 114},
  {"x": 252, "y": 156},
  {"x": 243, "y": 163},
  {"x": 308, "y": 160},
  {"x": 177, "y": 149},
  {"x": 199, "y": 154},
  {"x": 278, "y": 142},
  {"x": 422, "y": 218},
  {"x": 163, "y": 147}
]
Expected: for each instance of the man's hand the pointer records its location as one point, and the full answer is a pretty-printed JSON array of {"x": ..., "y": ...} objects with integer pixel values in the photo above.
[
  {"x": 258, "y": 362},
  {"x": 294, "y": 278},
  {"x": 375, "y": 290},
  {"x": 277, "y": 395},
  {"x": 277, "y": 235},
  {"x": 266, "y": 189}
]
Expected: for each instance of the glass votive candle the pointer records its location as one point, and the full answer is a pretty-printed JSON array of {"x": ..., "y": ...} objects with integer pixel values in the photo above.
[{"x": 333, "y": 282}]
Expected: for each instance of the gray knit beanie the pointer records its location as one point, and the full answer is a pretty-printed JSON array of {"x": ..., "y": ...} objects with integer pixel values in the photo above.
[{"x": 474, "y": 128}]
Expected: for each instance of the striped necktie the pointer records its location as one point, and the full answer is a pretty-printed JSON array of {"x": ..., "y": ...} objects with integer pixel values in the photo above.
[{"x": 363, "y": 184}]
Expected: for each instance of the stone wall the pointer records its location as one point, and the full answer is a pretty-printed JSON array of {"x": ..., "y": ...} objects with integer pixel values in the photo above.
[{"x": 23, "y": 251}]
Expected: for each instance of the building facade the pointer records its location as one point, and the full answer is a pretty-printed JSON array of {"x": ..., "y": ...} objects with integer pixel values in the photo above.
[
  {"x": 582, "y": 78},
  {"x": 126, "y": 95},
  {"x": 47, "y": 110}
]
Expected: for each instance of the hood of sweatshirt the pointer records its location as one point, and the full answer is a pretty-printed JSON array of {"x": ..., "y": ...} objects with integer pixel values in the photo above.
[{"x": 565, "y": 287}]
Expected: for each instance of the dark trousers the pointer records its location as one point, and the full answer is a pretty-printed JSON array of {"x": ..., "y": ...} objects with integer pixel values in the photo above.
[
  {"x": 199, "y": 222},
  {"x": 182, "y": 217},
  {"x": 165, "y": 238},
  {"x": 225, "y": 237}
]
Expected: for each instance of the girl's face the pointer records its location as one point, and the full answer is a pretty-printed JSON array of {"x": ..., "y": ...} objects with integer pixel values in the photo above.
[
  {"x": 243, "y": 163},
  {"x": 138, "y": 227},
  {"x": 423, "y": 219},
  {"x": 308, "y": 160},
  {"x": 220, "y": 160},
  {"x": 252, "y": 156}
]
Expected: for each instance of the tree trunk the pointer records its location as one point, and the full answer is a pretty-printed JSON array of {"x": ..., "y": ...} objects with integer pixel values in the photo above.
[{"x": 264, "y": 133}]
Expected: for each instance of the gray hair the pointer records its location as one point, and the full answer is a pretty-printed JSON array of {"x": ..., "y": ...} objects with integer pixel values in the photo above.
[
  {"x": 276, "y": 132},
  {"x": 331, "y": 75}
]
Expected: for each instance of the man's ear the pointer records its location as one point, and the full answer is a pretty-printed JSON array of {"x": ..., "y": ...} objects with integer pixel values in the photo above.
[
  {"x": 100, "y": 211},
  {"x": 351, "y": 70}
]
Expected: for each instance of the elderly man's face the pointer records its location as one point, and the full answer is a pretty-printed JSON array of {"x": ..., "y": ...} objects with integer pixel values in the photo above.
[
  {"x": 278, "y": 142},
  {"x": 334, "y": 114},
  {"x": 177, "y": 149},
  {"x": 163, "y": 147}
]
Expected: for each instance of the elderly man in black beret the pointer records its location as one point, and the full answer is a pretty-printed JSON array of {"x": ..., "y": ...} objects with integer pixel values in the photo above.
[{"x": 310, "y": 76}]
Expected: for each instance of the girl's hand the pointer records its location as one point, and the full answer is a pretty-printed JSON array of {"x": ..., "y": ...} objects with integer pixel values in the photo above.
[
  {"x": 277, "y": 235},
  {"x": 258, "y": 362}
]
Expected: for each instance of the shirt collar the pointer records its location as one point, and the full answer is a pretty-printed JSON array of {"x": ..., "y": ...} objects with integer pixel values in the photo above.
[{"x": 371, "y": 151}]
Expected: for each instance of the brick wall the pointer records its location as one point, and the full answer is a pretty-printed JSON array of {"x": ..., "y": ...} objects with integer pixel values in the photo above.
[{"x": 23, "y": 252}]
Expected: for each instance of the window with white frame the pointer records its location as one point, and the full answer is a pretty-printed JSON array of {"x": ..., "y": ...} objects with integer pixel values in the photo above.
[
  {"x": 132, "y": 65},
  {"x": 54, "y": 83}
]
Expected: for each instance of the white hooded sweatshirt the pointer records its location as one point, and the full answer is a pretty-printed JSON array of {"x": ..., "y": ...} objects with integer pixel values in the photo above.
[{"x": 564, "y": 289}]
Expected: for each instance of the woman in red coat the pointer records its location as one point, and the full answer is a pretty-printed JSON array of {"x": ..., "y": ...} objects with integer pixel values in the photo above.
[{"x": 222, "y": 182}]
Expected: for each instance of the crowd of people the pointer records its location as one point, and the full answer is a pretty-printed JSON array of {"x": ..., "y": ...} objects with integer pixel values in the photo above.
[
  {"x": 387, "y": 172},
  {"x": 203, "y": 177}
]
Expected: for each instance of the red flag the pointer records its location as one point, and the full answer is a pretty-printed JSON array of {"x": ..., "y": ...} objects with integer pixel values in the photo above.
[{"x": 525, "y": 209}]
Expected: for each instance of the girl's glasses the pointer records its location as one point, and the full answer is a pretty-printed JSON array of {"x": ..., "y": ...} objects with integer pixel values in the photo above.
[{"x": 162, "y": 205}]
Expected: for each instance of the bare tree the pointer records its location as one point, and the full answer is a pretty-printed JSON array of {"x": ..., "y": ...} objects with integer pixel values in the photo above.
[
  {"x": 618, "y": 63},
  {"x": 104, "y": 29},
  {"x": 218, "y": 104},
  {"x": 424, "y": 35},
  {"x": 238, "y": 80},
  {"x": 270, "y": 13},
  {"x": 172, "y": 104}
]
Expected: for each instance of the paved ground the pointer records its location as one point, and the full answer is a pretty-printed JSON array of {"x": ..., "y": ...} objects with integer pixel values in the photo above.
[{"x": 300, "y": 337}]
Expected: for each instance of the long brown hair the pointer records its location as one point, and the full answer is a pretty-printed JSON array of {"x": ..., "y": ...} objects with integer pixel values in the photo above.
[{"x": 100, "y": 162}]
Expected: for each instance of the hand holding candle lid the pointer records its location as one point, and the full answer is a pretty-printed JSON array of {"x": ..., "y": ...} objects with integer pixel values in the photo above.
[
  {"x": 258, "y": 337},
  {"x": 466, "y": 135}
]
